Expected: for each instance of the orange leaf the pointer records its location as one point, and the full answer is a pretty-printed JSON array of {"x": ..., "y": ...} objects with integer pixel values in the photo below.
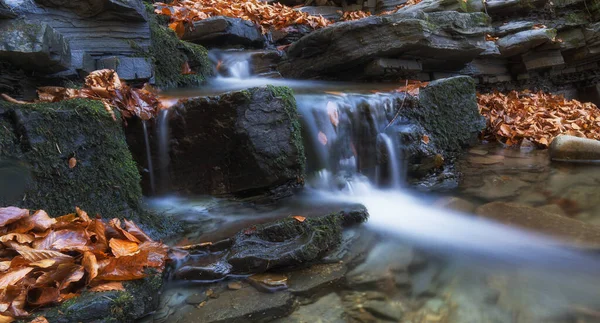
[
  {"x": 185, "y": 69},
  {"x": 157, "y": 253},
  {"x": 299, "y": 218},
  {"x": 12, "y": 277},
  {"x": 108, "y": 287},
  {"x": 90, "y": 264},
  {"x": 425, "y": 139},
  {"x": 122, "y": 248},
  {"x": 39, "y": 319},
  {"x": 72, "y": 162},
  {"x": 41, "y": 220},
  {"x": 322, "y": 138},
  {"x": 178, "y": 27},
  {"x": 126, "y": 267},
  {"x": 136, "y": 231}
]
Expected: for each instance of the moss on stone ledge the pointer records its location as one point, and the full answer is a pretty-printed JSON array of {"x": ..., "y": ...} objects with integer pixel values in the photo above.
[{"x": 168, "y": 54}]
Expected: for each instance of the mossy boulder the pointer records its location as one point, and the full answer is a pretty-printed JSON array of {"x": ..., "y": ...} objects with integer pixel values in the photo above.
[
  {"x": 244, "y": 143},
  {"x": 55, "y": 156},
  {"x": 139, "y": 298}
]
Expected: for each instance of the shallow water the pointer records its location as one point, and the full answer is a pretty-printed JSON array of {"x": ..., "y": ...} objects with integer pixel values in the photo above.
[{"x": 414, "y": 260}]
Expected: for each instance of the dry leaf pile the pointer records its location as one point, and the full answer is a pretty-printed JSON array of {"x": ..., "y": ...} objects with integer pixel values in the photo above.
[
  {"x": 45, "y": 261},
  {"x": 104, "y": 85},
  {"x": 537, "y": 117},
  {"x": 184, "y": 12}
]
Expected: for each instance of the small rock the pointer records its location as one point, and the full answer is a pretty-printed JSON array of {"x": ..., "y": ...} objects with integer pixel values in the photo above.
[
  {"x": 571, "y": 148},
  {"x": 478, "y": 152},
  {"x": 385, "y": 310},
  {"x": 327, "y": 309},
  {"x": 197, "y": 298},
  {"x": 234, "y": 285},
  {"x": 381, "y": 266}
]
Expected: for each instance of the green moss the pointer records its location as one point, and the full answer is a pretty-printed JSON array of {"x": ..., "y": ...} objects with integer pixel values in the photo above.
[
  {"x": 168, "y": 54},
  {"x": 121, "y": 307},
  {"x": 287, "y": 95}
]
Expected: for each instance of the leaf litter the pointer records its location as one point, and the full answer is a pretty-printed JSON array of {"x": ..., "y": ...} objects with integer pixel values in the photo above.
[{"x": 48, "y": 260}]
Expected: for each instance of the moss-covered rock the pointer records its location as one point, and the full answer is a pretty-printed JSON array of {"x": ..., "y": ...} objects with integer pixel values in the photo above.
[
  {"x": 139, "y": 298},
  {"x": 37, "y": 142},
  {"x": 168, "y": 54},
  {"x": 245, "y": 143}
]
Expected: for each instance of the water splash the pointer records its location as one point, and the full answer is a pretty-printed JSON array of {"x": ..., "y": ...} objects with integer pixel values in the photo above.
[{"x": 162, "y": 132}]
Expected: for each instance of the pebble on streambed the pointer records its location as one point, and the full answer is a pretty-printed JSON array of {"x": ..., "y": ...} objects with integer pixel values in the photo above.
[{"x": 571, "y": 148}]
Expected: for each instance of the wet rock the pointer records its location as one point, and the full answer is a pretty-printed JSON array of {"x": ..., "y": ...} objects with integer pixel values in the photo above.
[
  {"x": 571, "y": 148},
  {"x": 196, "y": 298},
  {"x": 381, "y": 266},
  {"x": 136, "y": 69},
  {"x": 269, "y": 282},
  {"x": 316, "y": 279},
  {"x": 524, "y": 41},
  {"x": 385, "y": 310},
  {"x": 498, "y": 186},
  {"x": 244, "y": 305},
  {"x": 254, "y": 141},
  {"x": 353, "y": 248},
  {"x": 205, "y": 272},
  {"x": 140, "y": 298},
  {"x": 342, "y": 49},
  {"x": 553, "y": 208},
  {"x": 91, "y": 8},
  {"x": 34, "y": 46},
  {"x": 328, "y": 12},
  {"x": 569, "y": 230},
  {"x": 327, "y": 309},
  {"x": 225, "y": 32},
  {"x": 456, "y": 204},
  {"x": 284, "y": 243}
]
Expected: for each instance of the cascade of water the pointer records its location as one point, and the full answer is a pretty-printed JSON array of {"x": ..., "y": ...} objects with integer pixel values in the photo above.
[
  {"x": 162, "y": 133},
  {"x": 393, "y": 162},
  {"x": 149, "y": 156},
  {"x": 232, "y": 64}
]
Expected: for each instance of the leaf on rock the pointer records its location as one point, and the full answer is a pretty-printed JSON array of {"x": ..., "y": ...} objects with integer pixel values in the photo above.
[
  {"x": 106, "y": 287},
  {"x": 425, "y": 139},
  {"x": 63, "y": 240},
  {"x": 39, "y": 319},
  {"x": 178, "y": 27},
  {"x": 116, "y": 225},
  {"x": 136, "y": 231},
  {"x": 120, "y": 247},
  {"x": 41, "y": 221},
  {"x": 21, "y": 238},
  {"x": 34, "y": 255},
  {"x": 126, "y": 267},
  {"x": 90, "y": 264},
  {"x": 299, "y": 218},
  {"x": 11, "y": 214},
  {"x": 12, "y": 277},
  {"x": 41, "y": 296},
  {"x": 72, "y": 162},
  {"x": 157, "y": 253}
]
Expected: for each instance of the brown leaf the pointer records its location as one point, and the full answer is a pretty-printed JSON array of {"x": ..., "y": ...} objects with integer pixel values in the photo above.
[
  {"x": 322, "y": 138},
  {"x": 82, "y": 214},
  {"x": 34, "y": 255},
  {"x": 6, "y": 319},
  {"x": 136, "y": 231},
  {"x": 185, "y": 69},
  {"x": 157, "y": 253},
  {"x": 41, "y": 296},
  {"x": 116, "y": 224},
  {"x": 425, "y": 139},
  {"x": 41, "y": 221},
  {"x": 108, "y": 287},
  {"x": 39, "y": 319},
  {"x": 63, "y": 240},
  {"x": 178, "y": 27},
  {"x": 125, "y": 268},
  {"x": 299, "y": 218},
  {"x": 11, "y": 214},
  {"x": 13, "y": 276},
  {"x": 122, "y": 248},
  {"x": 90, "y": 264},
  {"x": 72, "y": 162},
  {"x": 21, "y": 238}
]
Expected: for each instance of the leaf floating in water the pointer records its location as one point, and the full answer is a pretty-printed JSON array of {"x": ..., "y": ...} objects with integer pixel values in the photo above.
[
  {"x": 322, "y": 138},
  {"x": 299, "y": 218}
]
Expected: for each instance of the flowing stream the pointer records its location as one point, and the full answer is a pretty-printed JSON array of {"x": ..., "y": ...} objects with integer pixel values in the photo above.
[{"x": 485, "y": 271}]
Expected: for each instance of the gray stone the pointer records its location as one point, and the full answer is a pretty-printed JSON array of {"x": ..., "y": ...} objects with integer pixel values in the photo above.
[
  {"x": 387, "y": 310},
  {"x": 225, "y": 32},
  {"x": 545, "y": 59},
  {"x": 128, "y": 68},
  {"x": 327, "y": 309},
  {"x": 524, "y": 41},
  {"x": 571, "y": 148},
  {"x": 456, "y": 204},
  {"x": 90, "y": 8},
  {"x": 513, "y": 27},
  {"x": 254, "y": 138},
  {"x": 570, "y": 231},
  {"x": 381, "y": 266},
  {"x": 196, "y": 298},
  {"x": 310, "y": 282},
  {"x": 240, "y": 306},
  {"x": 383, "y": 67},
  {"x": 344, "y": 48},
  {"x": 33, "y": 47}
]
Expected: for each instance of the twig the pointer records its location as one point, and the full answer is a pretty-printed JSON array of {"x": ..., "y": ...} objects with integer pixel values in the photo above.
[
  {"x": 7, "y": 98},
  {"x": 401, "y": 105}
]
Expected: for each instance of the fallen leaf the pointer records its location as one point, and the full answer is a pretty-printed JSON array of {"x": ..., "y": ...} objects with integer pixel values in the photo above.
[
  {"x": 322, "y": 138},
  {"x": 72, "y": 162},
  {"x": 90, "y": 264},
  {"x": 299, "y": 218},
  {"x": 12, "y": 277},
  {"x": 185, "y": 69},
  {"x": 106, "y": 287},
  {"x": 11, "y": 214},
  {"x": 39, "y": 319},
  {"x": 425, "y": 139},
  {"x": 136, "y": 231},
  {"x": 332, "y": 111},
  {"x": 120, "y": 247}
]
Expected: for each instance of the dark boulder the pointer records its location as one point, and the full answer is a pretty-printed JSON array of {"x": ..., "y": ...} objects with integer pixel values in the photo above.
[
  {"x": 243, "y": 143},
  {"x": 225, "y": 32},
  {"x": 349, "y": 46}
]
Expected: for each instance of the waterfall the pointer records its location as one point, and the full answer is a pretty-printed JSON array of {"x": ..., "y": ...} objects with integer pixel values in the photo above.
[
  {"x": 149, "y": 156},
  {"x": 345, "y": 136},
  {"x": 232, "y": 64},
  {"x": 162, "y": 133}
]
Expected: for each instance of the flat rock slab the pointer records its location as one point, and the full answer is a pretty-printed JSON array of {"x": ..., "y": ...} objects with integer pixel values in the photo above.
[
  {"x": 225, "y": 32},
  {"x": 240, "y": 306},
  {"x": 524, "y": 41},
  {"x": 383, "y": 267},
  {"x": 571, "y": 148},
  {"x": 311, "y": 281},
  {"x": 327, "y": 309},
  {"x": 569, "y": 230}
]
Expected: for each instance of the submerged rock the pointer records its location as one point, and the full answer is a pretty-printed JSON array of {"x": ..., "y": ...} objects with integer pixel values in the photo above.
[
  {"x": 327, "y": 309},
  {"x": 571, "y": 148},
  {"x": 568, "y": 230}
]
